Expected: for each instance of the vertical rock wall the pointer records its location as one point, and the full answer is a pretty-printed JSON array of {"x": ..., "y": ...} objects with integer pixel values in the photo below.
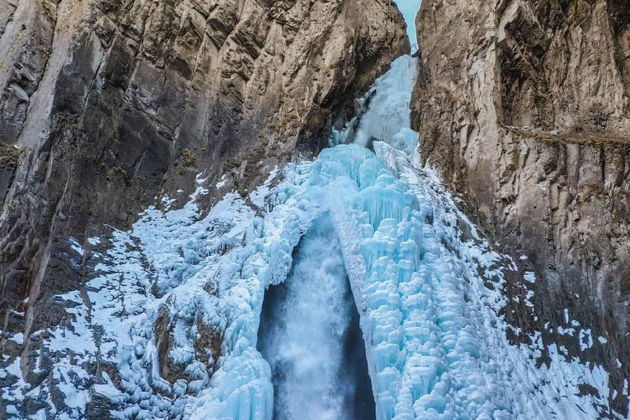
[{"x": 524, "y": 109}]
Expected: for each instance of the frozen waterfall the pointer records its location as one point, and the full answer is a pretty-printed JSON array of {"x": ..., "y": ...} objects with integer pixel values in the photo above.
[{"x": 255, "y": 308}]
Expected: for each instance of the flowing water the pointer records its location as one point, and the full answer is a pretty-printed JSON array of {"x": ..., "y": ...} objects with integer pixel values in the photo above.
[{"x": 310, "y": 335}]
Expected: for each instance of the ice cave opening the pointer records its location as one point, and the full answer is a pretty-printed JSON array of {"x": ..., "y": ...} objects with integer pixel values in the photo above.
[{"x": 310, "y": 335}]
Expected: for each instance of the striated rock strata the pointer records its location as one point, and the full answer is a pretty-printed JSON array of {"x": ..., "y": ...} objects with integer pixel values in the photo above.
[
  {"x": 524, "y": 110},
  {"x": 106, "y": 105}
]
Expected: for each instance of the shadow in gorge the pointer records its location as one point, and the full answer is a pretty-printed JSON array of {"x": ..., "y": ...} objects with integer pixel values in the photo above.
[{"x": 310, "y": 335}]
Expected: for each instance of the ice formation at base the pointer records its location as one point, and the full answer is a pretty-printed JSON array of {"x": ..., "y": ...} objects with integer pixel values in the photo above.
[{"x": 171, "y": 321}]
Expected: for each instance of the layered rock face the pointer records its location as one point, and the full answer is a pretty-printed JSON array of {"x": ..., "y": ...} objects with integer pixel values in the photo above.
[
  {"x": 524, "y": 110},
  {"x": 108, "y": 105}
]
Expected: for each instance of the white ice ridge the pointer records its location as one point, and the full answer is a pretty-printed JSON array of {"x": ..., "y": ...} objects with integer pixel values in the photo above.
[{"x": 177, "y": 283}]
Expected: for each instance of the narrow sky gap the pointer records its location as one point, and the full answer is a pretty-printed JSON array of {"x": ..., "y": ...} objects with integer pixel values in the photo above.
[{"x": 409, "y": 9}]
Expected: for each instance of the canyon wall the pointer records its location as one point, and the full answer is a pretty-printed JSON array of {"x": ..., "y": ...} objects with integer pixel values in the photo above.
[
  {"x": 108, "y": 106},
  {"x": 523, "y": 108}
]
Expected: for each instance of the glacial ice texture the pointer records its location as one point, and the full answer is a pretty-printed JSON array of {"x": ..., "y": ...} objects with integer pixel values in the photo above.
[{"x": 169, "y": 324}]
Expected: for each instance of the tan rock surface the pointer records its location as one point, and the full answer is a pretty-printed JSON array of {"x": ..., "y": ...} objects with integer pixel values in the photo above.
[{"x": 523, "y": 109}]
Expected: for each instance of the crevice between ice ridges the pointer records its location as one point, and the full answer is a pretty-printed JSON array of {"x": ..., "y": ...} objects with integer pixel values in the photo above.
[{"x": 355, "y": 267}]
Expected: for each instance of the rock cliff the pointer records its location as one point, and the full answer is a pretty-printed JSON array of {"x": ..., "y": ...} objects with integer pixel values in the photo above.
[
  {"x": 108, "y": 105},
  {"x": 524, "y": 110}
]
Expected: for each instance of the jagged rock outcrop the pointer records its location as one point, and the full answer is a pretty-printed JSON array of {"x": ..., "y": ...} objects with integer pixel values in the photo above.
[
  {"x": 524, "y": 110},
  {"x": 112, "y": 104}
]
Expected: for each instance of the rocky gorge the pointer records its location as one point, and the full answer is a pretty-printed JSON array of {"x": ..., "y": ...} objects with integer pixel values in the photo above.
[{"x": 168, "y": 165}]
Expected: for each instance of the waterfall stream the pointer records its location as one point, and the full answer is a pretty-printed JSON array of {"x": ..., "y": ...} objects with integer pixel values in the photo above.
[{"x": 310, "y": 335}]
